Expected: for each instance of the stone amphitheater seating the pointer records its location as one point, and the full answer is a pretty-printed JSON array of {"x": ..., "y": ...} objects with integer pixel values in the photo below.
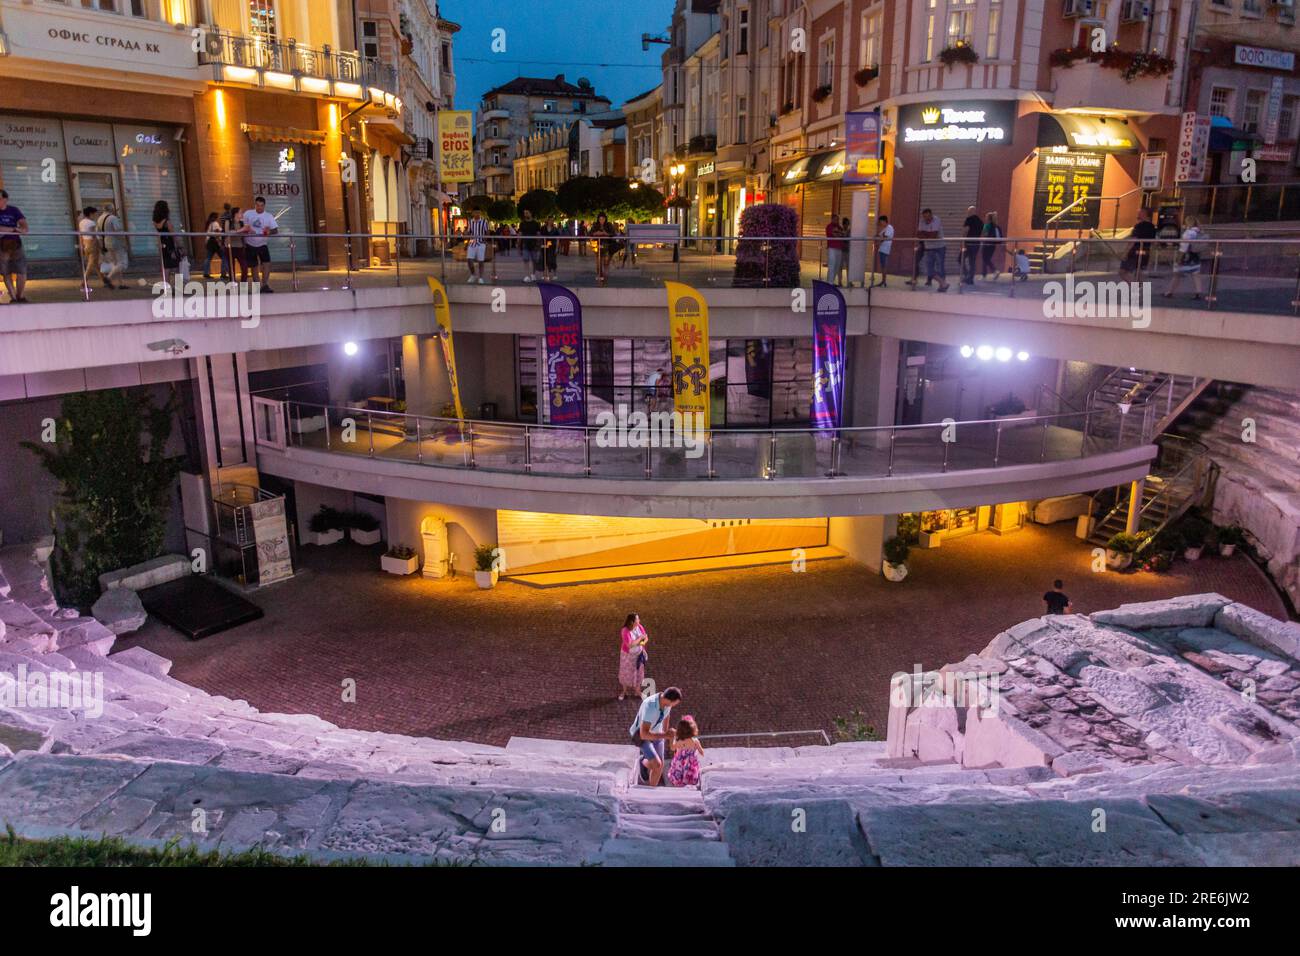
[{"x": 166, "y": 760}]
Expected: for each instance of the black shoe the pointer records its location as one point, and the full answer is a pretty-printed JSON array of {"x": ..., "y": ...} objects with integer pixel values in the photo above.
[
  {"x": 645, "y": 773},
  {"x": 267, "y": 288}
]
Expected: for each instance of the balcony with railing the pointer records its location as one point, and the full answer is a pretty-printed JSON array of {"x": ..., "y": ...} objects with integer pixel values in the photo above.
[{"x": 289, "y": 65}]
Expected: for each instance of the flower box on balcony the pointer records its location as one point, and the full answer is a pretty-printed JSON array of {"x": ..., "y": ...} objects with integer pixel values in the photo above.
[
  {"x": 866, "y": 75},
  {"x": 959, "y": 53},
  {"x": 822, "y": 93},
  {"x": 1093, "y": 84}
]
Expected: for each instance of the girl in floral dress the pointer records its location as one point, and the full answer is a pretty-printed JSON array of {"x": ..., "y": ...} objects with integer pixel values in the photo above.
[{"x": 684, "y": 771}]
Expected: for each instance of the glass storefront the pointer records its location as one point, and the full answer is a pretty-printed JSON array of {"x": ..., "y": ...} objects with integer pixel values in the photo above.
[{"x": 280, "y": 174}]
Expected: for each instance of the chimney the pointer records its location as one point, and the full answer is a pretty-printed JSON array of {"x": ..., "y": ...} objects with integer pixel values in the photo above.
[{"x": 559, "y": 78}]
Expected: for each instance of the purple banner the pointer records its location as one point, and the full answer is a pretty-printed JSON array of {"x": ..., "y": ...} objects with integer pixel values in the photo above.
[
  {"x": 830, "y": 318},
  {"x": 566, "y": 396}
]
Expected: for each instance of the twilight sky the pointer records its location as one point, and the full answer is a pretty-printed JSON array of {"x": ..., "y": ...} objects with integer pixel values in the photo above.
[{"x": 598, "y": 39}]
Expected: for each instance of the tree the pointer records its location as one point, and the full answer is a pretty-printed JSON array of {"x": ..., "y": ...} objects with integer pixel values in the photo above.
[
  {"x": 502, "y": 210},
  {"x": 761, "y": 261},
  {"x": 476, "y": 202},
  {"x": 585, "y": 197},
  {"x": 540, "y": 202},
  {"x": 580, "y": 197},
  {"x": 115, "y": 483}
]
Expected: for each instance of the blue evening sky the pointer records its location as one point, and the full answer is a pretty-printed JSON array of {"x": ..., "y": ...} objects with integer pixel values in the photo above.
[{"x": 598, "y": 39}]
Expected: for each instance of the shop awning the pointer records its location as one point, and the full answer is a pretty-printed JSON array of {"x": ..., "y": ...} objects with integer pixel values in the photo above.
[
  {"x": 1226, "y": 138},
  {"x": 1086, "y": 134},
  {"x": 795, "y": 173},
  {"x": 819, "y": 167},
  {"x": 283, "y": 134}
]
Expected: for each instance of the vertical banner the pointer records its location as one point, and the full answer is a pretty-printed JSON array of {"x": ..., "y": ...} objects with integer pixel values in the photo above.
[
  {"x": 862, "y": 150},
  {"x": 688, "y": 337},
  {"x": 565, "y": 393},
  {"x": 456, "y": 146},
  {"x": 271, "y": 535},
  {"x": 1193, "y": 149},
  {"x": 442, "y": 316},
  {"x": 830, "y": 319}
]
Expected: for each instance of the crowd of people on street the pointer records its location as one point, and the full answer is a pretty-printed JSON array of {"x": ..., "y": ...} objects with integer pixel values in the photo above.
[
  {"x": 539, "y": 242},
  {"x": 661, "y": 746}
]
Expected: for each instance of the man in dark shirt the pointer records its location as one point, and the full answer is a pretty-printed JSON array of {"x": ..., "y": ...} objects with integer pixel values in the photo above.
[
  {"x": 1136, "y": 259},
  {"x": 1056, "y": 600},
  {"x": 974, "y": 228}
]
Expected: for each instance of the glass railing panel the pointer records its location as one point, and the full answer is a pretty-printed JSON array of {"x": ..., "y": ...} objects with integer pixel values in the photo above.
[
  {"x": 558, "y": 451},
  {"x": 741, "y": 455},
  {"x": 493, "y": 447}
]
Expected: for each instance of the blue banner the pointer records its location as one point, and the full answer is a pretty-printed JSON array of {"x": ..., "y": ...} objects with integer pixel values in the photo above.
[
  {"x": 830, "y": 319},
  {"x": 566, "y": 396}
]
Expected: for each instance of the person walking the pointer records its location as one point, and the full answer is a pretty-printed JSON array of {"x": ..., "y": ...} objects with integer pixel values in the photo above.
[
  {"x": 1189, "y": 259},
  {"x": 1135, "y": 260},
  {"x": 632, "y": 656},
  {"x": 581, "y": 233},
  {"x": 835, "y": 247},
  {"x": 932, "y": 248},
  {"x": 476, "y": 251},
  {"x": 550, "y": 248},
  {"x": 1056, "y": 599},
  {"x": 112, "y": 247},
  {"x": 175, "y": 260},
  {"x": 212, "y": 246},
  {"x": 529, "y": 230},
  {"x": 648, "y": 732},
  {"x": 13, "y": 261},
  {"x": 233, "y": 227},
  {"x": 973, "y": 227},
  {"x": 684, "y": 771},
  {"x": 884, "y": 246},
  {"x": 89, "y": 243},
  {"x": 602, "y": 232},
  {"x": 992, "y": 246},
  {"x": 259, "y": 226}
]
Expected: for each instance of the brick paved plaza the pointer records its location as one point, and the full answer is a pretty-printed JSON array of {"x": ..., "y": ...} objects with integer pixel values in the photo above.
[{"x": 753, "y": 650}]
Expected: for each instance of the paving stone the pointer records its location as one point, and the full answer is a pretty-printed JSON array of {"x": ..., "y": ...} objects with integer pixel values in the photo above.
[{"x": 816, "y": 832}]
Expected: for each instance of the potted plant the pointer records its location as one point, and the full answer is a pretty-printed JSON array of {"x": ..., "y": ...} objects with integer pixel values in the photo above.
[
  {"x": 364, "y": 528},
  {"x": 894, "y": 565},
  {"x": 1120, "y": 549},
  {"x": 485, "y": 566},
  {"x": 399, "y": 559},
  {"x": 1193, "y": 533},
  {"x": 1230, "y": 538},
  {"x": 909, "y": 527},
  {"x": 960, "y": 52},
  {"x": 325, "y": 526},
  {"x": 821, "y": 93}
]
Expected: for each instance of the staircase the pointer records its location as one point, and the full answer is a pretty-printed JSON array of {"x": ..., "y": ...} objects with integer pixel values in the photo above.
[
  {"x": 1177, "y": 482},
  {"x": 1144, "y": 399},
  {"x": 658, "y": 826}
]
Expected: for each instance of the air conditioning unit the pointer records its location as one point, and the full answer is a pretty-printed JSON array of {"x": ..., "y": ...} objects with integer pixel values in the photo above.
[
  {"x": 1080, "y": 8},
  {"x": 1134, "y": 11}
]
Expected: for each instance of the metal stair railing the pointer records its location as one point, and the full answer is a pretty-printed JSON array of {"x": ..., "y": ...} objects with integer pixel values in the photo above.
[{"x": 1191, "y": 456}]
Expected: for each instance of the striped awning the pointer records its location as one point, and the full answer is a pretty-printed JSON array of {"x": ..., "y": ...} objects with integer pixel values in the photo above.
[{"x": 283, "y": 134}]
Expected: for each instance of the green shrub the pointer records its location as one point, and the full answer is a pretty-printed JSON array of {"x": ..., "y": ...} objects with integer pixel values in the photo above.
[
  {"x": 1123, "y": 543},
  {"x": 484, "y": 556},
  {"x": 854, "y": 727},
  {"x": 362, "y": 521},
  {"x": 1194, "y": 532},
  {"x": 909, "y": 527},
  {"x": 1232, "y": 534},
  {"x": 327, "y": 519},
  {"x": 401, "y": 552},
  {"x": 896, "y": 550}
]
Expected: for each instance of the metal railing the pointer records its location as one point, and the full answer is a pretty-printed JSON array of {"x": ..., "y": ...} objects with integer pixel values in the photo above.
[
  {"x": 1240, "y": 203},
  {"x": 224, "y": 48},
  {"x": 1250, "y": 274},
  {"x": 665, "y": 451}
]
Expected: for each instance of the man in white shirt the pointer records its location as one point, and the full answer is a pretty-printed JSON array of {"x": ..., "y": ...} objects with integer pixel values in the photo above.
[
  {"x": 476, "y": 251},
  {"x": 933, "y": 251},
  {"x": 884, "y": 246},
  {"x": 112, "y": 246},
  {"x": 649, "y": 731},
  {"x": 258, "y": 225}
]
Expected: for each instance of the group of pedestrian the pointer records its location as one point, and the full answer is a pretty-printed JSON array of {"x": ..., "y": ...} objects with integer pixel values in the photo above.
[
  {"x": 651, "y": 729},
  {"x": 238, "y": 239},
  {"x": 540, "y": 242}
]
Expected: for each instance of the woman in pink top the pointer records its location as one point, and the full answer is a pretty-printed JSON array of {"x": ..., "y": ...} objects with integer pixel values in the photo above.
[{"x": 632, "y": 657}]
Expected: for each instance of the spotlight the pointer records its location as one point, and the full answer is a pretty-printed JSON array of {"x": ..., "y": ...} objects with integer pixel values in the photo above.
[
  {"x": 984, "y": 353},
  {"x": 1023, "y": 356},
  {"x": 350, "y": 348},
  {"x": 967, "y": 351},
  {"x": 1004, "y": 354}
]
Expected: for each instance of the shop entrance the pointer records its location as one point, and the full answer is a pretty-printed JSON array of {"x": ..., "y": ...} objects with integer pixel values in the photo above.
[{"x": 95, "y": 186}]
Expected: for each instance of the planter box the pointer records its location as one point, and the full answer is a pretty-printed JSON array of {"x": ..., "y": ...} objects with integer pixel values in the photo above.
[
  {"x": 1091, "y": 86},
  {"x": 366, "y": 537},
  {"x": 930, "y": 539},
  {"x": 1193, "y": 554},
  {"x": 1118, "y": 560},
  {"x": 324, "y": 537},
  {"x": 486, "y": 579},
  {"x": 1227, "y": 550},
  {"x": 400, "y": 565},
  {"x": 893, "y": 572}
]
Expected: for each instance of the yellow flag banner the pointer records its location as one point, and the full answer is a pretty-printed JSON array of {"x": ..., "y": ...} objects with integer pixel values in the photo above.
[
  {"x": 688, "y": 328},
  {"x": 442, "y": 315},
  {"x": 456, "y": 146}
]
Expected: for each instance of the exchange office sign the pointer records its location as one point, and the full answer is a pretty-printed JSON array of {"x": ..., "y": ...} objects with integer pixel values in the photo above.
[
  {"x": 977, "y": 122},
  {"x": 1063, "y": 179}
]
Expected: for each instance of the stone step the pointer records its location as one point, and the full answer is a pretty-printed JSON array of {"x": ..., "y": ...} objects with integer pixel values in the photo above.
[
  {"x": 541, "y": 745},
  {"x": 705, "y": 830},
  {"x": 628, "y": 851}
]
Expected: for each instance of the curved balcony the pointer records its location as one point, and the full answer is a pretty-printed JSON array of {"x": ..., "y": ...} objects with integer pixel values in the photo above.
[
  {"x": 289, "y": 65},
  {"x": 717, "y": 473}
]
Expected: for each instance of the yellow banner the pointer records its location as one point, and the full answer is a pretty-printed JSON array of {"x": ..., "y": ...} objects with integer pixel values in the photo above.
[
  {"x": 442, "y": 315},
  {"x": 456, "y": 146},
  {"x": 688, "y": 330}
]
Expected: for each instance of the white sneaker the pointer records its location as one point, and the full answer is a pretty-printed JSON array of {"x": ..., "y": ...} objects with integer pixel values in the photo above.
[
  {"x": 482, "y": 281},
  {"x": 469, "y": 281},
  {"x": 528, "y": 278}
]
